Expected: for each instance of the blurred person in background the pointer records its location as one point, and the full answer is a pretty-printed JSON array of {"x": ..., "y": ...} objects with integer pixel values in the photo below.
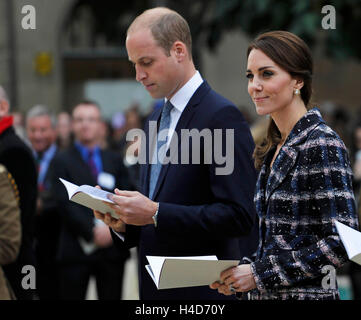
[
  {"x": 118, "y": 125},
  {"x": 18, "y": 124},
  {"x": 337, "y": 117},
  {"x": 10, "y": 228},
  {"x": 133, "y": 120},
  {"x": 17, "y": 157},
  {"x": 85, "y": 246},
  {"x": 356, "y": 157},
  {"x": 41, "y": 132},
  {"x": 341, "y": 119},
  {"x": 105, "y": 135},
  {"x": 354, "y": 270},
  {"x": 130, "y": 160},
  {"x": 63, "y": 130}
]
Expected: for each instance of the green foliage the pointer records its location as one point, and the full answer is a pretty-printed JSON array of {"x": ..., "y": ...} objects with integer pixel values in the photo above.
[
  {"x": 210, "y": 19},
  {"x": 302, "y": 17}
]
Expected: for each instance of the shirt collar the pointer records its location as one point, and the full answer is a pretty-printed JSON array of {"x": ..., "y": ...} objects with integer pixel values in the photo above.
[
  {"x": 47, "y": 153},
  {"x": 84, "y": 150},
  {"x": 184, "y": 94}
]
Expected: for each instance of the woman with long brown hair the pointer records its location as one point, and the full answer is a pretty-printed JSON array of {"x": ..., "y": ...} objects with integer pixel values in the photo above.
[{"x": 304, "y": 181}]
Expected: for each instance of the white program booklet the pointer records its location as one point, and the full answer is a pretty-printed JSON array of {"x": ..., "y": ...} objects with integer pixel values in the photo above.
[
  {"x": 90, "y": 197},
  {"x": 178, "y": 272},
  {"x": 351, "y": 240}
]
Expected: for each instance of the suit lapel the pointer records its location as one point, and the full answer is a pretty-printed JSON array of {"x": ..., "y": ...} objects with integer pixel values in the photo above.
[
  {"x": 288, "y": 154},
  {"x": 183, "y": 123}
]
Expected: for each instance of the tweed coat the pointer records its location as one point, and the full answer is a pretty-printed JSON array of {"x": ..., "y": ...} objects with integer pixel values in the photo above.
[{"x": 308, "y": 188}]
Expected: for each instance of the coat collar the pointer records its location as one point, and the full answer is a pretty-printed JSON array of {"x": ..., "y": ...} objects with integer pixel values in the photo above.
[{"x": 287, "y": 156}]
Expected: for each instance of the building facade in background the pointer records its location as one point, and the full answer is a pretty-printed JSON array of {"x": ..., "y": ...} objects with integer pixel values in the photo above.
[{"x": 70, "y": 56}]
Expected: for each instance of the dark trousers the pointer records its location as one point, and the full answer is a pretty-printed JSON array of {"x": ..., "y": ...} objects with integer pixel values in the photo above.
[
  {"x": 47, "y": 282},
  {"x": 74, "y": 279},
  {"x": 46, "y": 246}
]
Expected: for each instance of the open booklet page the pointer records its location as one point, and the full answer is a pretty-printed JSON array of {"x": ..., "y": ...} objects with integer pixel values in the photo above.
[
  {"x": 177, "y": 272},
  {"x": 351, "y": 240},
  {"x": 89, "y": 197}
]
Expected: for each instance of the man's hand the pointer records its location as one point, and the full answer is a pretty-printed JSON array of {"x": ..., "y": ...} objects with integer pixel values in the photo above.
[
  {"x": 102, "y": 237},
  {"x": 133, "y": 208},
  {"x": 116, "y": 224}
]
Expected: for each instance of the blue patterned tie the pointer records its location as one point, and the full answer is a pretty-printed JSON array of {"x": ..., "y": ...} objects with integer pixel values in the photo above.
[{"x": 156, "y": 167}]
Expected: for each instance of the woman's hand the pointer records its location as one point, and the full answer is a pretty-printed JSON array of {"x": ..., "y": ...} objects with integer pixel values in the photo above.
[{"x": 234, "y": 279}]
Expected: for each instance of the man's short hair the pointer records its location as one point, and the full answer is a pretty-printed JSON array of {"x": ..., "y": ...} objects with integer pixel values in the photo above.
[
  {"x": 86, "y": 102},
  {"x": 3, "y": 95},
  {"x": 166, "y": 29},
  {"x": 39, "y": 111}
]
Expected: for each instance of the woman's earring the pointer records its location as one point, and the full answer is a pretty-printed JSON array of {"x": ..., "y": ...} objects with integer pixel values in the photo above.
[{"x": 297, "y": 92}]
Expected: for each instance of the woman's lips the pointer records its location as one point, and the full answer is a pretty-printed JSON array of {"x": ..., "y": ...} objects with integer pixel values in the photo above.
[{"x": 259, "y": 99}]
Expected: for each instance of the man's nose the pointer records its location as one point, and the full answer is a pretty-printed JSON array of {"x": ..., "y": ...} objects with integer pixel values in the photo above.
[
  {"x": 37, "y": 135},
  {"x": 140, "y": 74}
]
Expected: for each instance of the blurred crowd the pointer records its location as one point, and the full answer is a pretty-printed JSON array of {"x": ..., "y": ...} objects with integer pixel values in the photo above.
[
  {"x": 84, "y": 148},
  {"x": 62, "y": 240}
]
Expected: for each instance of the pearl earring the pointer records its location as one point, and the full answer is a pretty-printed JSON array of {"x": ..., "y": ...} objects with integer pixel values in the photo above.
[{"x": 297, "y": 92}]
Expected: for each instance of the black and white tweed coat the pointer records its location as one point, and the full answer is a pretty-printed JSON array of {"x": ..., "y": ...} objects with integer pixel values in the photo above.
[{"x": 308, "y": 188}]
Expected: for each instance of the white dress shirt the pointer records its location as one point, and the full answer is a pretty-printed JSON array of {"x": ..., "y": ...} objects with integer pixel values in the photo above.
[{"x": 180, "y": 101}]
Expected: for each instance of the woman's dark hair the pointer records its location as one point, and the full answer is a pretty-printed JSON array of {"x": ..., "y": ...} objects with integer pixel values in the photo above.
[{"x": 293, "y": 55}]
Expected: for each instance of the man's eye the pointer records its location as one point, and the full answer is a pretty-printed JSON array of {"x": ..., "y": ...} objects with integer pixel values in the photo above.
[{"x": 249, "y": 76}]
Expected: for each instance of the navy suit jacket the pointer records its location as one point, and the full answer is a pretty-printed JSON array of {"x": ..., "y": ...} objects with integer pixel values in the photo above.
[{"x": 200, "y": 213}]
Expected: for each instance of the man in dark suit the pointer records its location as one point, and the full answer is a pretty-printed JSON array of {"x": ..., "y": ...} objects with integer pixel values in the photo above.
[
  {"x": 40, "y": 129},
  {"x": 187, "y": 207},
  {"x": 85, "y": 245},
  {"x": 18, "y": 159}
]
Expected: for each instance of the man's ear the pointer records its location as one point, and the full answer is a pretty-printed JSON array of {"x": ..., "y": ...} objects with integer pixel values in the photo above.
[
  {"x": 4, "y": 108},
  {"x": 180, "y": 50}
]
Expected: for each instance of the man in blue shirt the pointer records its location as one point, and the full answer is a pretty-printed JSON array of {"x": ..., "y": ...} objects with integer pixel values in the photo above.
[
  {"x": 86, "y": 247},
  {"x": 40, "y": 129}
]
